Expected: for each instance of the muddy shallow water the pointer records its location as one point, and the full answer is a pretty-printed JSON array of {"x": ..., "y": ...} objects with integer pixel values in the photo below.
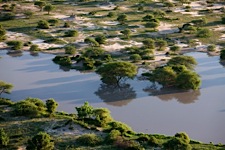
[{"x": 199, "y": 113}]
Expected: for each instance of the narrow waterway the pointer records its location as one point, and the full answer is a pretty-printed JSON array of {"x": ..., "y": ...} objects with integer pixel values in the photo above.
[{"x": 199, "y": 113}]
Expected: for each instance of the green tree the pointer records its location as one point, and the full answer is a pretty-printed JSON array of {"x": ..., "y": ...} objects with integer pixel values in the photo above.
[
  {"x": 48, "y": 8},
  {"x": 135, "y": 57},
  {"x": 40, "y": 4},
  {"x": 71, "y": 50},
  {"x": 211, "y": 48},
  {"x": 51, "y": 105},
  {"x": 41, "y": 141},
  {"x": 85, "y": 111},
  {"x": 34, "y": 47},
  {"x": 188, "y": 80},
  {"x": 148, "y": 18},
  {"x": 222, "y": 54},
  {"x": 187, "y": 61},
  {"x": 90, "y": 139},
  {"x": 91, "y": 42},
  {"x": 126, "y": 33},
  {"x": 15, "y": 45},
  {"x": 169, "y": 5},
  {"x": 102, "y": 116},
  {"x": 115, "y": 72},
  {"x": 152, "y": 24},
  {"x": 122, "y": 18},
  {"x": 53, "y": 22},
  {"x": 4, "y": 138},
  {"x": 149, "y": 43},
  {"x": 2, "y": 33},
  {"x": 28, "y": 14},
  {"x": 71, "y": 33},
  {"x": 94, "y": 52}
]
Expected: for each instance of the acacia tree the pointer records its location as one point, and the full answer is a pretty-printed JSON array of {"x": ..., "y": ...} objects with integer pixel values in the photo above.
[
  {"x": 115, "y": 72},
  {"x": 41, "y": 141},
  {"x": 48, "y": 8},
  {"x": 5, "y": 87},
  {"x": 187, "y": 61},
  {"x": 84, "y": 111},
  {"x": 40, "y": 4},
  {"x": 126, "y": 33},
  {"x": 149, "y": 43}
]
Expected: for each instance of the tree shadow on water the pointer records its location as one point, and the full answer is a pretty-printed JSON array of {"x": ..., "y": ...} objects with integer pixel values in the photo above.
[
  {"x": 167, "y": 94},
  {"x": 116, "y": 95}
]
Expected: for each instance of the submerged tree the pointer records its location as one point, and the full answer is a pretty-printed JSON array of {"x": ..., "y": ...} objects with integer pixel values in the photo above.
[
  {"x": 5, "y": 87},
  {"x": 115, "y": 72}
]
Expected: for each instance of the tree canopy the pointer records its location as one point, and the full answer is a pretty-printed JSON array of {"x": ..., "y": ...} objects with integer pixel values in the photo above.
[
  {"x": 5, "y": 87},
  {"x": 114, "y": 72},
  {"x": 187, "y": 61}
]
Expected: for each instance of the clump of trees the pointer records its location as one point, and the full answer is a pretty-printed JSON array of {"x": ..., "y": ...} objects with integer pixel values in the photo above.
[
  {"x": 177, "y": 73},
  {"x": 15, "y": 45}
]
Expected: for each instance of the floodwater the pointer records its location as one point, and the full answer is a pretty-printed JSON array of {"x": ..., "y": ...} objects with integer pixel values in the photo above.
[{"x": 201, "y": 114}]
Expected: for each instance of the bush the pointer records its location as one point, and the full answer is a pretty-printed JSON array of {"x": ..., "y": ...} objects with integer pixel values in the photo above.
[
  {"x": 204, "y": 33},
  {"x": 127, "y": 144},
  {"x": 177, "y": 144},
  {"x": 153, "y": 142},
  {"x": 89, "y": 140},
  {"x": 111, "y": 14},
  {"x": 122, "y": 127},
  {"x": 211, "y": 48},
  {"x": 28, "y": 14},
  {"x": 34, "y": 48},
  {"x": 135, "y": 57},
  {"x": 101, "y": 39},
  {"x": 71, "y": 33},
  {"x": 112, "y": 136},
  {"x": 43, "y": 24},
  {"x": 4, "y": 101},
  {"x": 66, "y": 25},
  {"x": 71, "y": 50},
  {"x": 4, "y": 139},
  {"x": 51, "y": 105},
  {"x": 62, "y": 60},
  {"x": 222, "y": 54},
  {"x": 183, "y": 136},
  {"x": 15, "y": 45},
  {"x": 41, "y": 141},
  {"x": 53, "y": 22},
  {"x": 7, "y": 16},
  {"x": 175, "y": 48}
]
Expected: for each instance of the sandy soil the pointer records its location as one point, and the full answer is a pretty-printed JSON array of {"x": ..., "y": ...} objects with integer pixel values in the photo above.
[{"x": 111, "y": 23}]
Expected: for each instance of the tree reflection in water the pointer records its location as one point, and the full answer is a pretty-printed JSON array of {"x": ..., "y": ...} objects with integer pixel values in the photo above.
[
  {"x": 116, "y": 95},
  {"x": 15, "y": 53},
  {"x": 35, "y": 54},
  {"x": 166, "y": 94}
]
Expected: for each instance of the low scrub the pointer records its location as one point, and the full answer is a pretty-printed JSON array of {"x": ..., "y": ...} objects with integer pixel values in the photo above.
[{"x": 89, "y": 140}]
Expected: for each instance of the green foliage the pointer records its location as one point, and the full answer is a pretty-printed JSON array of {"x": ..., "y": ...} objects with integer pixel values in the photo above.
[
  {"x": 71, "y": 33},
  {"x": 41, "y": 141},
  {"x": 126, "y": 33},
  {"x": 29, "y": 107},
  {"x": 92, "y": 42},
  {"x": 161, "y": 44},
  {"x": 183, "y": 136},
  {"x": 89, "y": 140},
  {"x": 7, "y": 16},
  {"x": 102, "y": 116},
  {"x": 34, "y": 47},
  {"x": 62, "y": 60},
  {"x": 4, "y": 138},
  {"x": 85, "y": 111},
  {"x": 188, "y": 80},
  {"x": 135, "y": 57},
  {"x": 187, "y": 61},
  {"x": 94, "y": 52},
  {"x": 53, "y": 22},
  {"x": 204, "y": 33},
  {"x": 153, "y": 25},
  {"x": 111, "y": 14},
  {"x": 199, "y": 22},
  {"x": 40, "y": 4},
  {"x": 122, "y": 18},
  {"x": 48, "y": 8},
  {"x": 88, "y": 63},
  {"x": 149, "y": 43},
  {"x": 100, "y": 38},
  {"x": 71, "y": 50},
  {"x": 222, "y": 54},
  {"x": 114, "y": 72},
  {"x": 5, "y": 87},
  {"x": 126, "y": 144},
  {"x": 211, "y": 48},
  {"x": 5, "y": 101},
  {"x": 177, "y": 144},
  {"x": 148, "y": 18},
  {"x": 15, "y": 45},
  {"x": 153, "y": 142},
  {"x": 43, "y": 24},
  {"x": 66, "y": 25},
  {"x": 28, "y": 14},
  {"x": 51, "y": 105},
  {"x": 121, "y": 127},
  {"x": 2, "y": 33},
  {"x": 112, "y": 136},
  {"x": 175, "y": 48}
]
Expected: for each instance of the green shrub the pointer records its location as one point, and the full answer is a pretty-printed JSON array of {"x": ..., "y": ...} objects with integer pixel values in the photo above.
[
  {"x": 43, "y": 24},
  {"x": 175, "y": 48},
  {"x": 222, "y": 54},
  {"x": 66, "y": 25},
  {"x": 62, "y": 60},
  {"x": 7, "y": 16},
  {"x": 89, "y": 140},
  {"x": 28, "y": 14},
  {"x": 15, "y": 45},
  {"x": 71, "y": 33},
  {"x": 135, "y": 57},
  {"x": 53, "y": 22},
  {"x": 211, "y": 48},
  {"x": 122, "y": 143},
  {"x": 71, "y": 50},
  {"x": 51, "y": 105},
  {"x": 153, "y": 142},
  {"x": 4, "y": 101},
  {"x": 100, "y": 38},
  {"x": 41, "y": 141},
  {"x": 4, "y": 138},
  {"x": 112, "y": 136},
  {"x": 204, "y": 33},
  {"x": 177, "y": 144},
  {"x": 111, "y": 14},
  {"x": 122, "y": 127},
  {"x": 34, "y": 47}
]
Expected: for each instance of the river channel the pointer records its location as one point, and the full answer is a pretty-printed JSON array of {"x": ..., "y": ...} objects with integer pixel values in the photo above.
[{"x": 201, "y": 114}]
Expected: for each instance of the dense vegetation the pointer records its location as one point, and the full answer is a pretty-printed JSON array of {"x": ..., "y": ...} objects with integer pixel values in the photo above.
[{"x": 39, "y": 127}]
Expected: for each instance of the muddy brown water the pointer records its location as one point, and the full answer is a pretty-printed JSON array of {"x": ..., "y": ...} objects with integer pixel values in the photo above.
[{"x": 200, "y": 113}]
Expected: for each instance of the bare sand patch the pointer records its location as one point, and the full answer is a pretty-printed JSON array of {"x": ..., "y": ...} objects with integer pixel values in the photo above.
[
  {"x": 109, "y": 6},
  {"x": 165, "y": 28},
  {"x": 111, "y": 23}
]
